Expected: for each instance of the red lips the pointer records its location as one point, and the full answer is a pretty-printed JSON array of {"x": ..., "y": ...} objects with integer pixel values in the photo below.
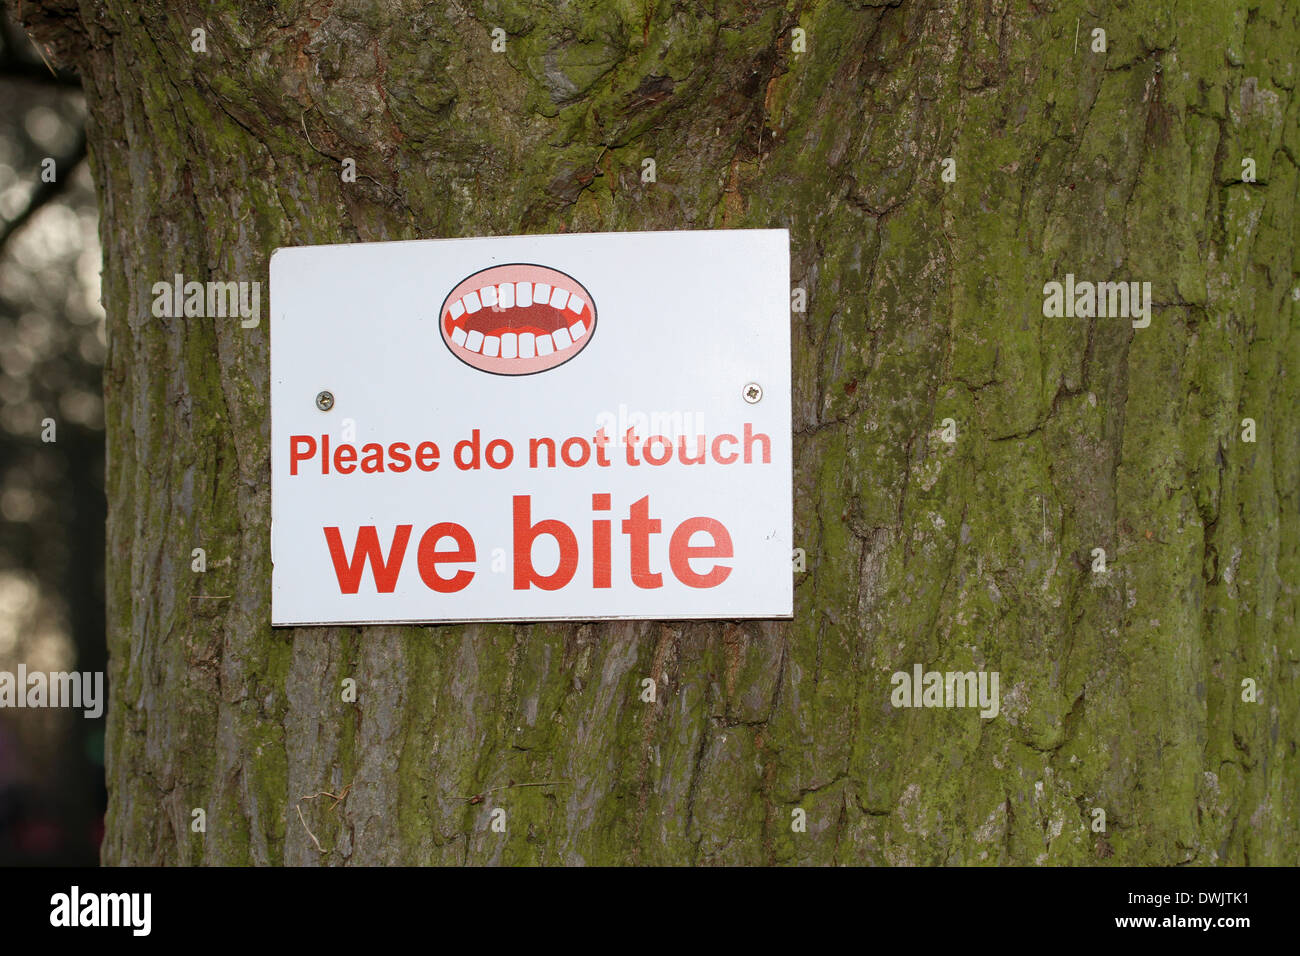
[{"x": 517, "y": 319}]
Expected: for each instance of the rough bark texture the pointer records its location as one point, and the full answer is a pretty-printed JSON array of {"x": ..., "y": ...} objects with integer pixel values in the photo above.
[{"x": 1120, "y": 691}]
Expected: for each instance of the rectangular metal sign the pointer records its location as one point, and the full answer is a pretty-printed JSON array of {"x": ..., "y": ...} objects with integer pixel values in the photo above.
[{"x": 532, "y": 427}]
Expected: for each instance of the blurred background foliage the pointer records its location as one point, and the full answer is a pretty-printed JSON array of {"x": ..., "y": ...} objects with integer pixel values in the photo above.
[{"x": 52, "y": 506}]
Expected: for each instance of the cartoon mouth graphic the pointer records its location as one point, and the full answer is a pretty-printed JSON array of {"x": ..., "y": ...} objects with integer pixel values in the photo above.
[{"x": 517, "y": 319}]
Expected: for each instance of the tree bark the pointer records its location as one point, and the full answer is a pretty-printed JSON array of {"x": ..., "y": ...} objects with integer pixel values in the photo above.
[{"x": 1121, "y": 691}]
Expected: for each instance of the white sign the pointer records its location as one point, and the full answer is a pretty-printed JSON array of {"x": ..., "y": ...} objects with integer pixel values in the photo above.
[{"x": 532, "y": 427}]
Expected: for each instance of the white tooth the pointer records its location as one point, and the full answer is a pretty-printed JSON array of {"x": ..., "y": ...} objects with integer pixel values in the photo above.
[
  {"x": 541, "y": 292},
  {"x": 558, "y": 298},
  {"x": 475, "y": 341},
  {"x": 472, "y": 303},
  {"x": 456, "y": 310},
  {"x": 489, "y": 296},
  {"x": 527, "y": 344},
  {"x": 491, "y": 346},
  {"x": 545, "y": 345},
  {"x": 506, "y": 297},
  {"x": 458, "y": 336},
  {"x": 578, "y": 330},
  {"x": 575, "y": 305},
  {"x": 510, "y": 345},
  {"x": 562, "y": 340},
  {"x": 523, "y": 294}
]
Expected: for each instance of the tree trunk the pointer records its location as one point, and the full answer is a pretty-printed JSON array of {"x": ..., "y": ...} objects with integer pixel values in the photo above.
[{"x": 1121, "y": 690}]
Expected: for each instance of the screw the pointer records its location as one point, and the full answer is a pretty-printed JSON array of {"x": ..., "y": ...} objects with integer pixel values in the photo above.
[
  {"x": 753, "y": 393},
  {"x": 325, "y": 401}
]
